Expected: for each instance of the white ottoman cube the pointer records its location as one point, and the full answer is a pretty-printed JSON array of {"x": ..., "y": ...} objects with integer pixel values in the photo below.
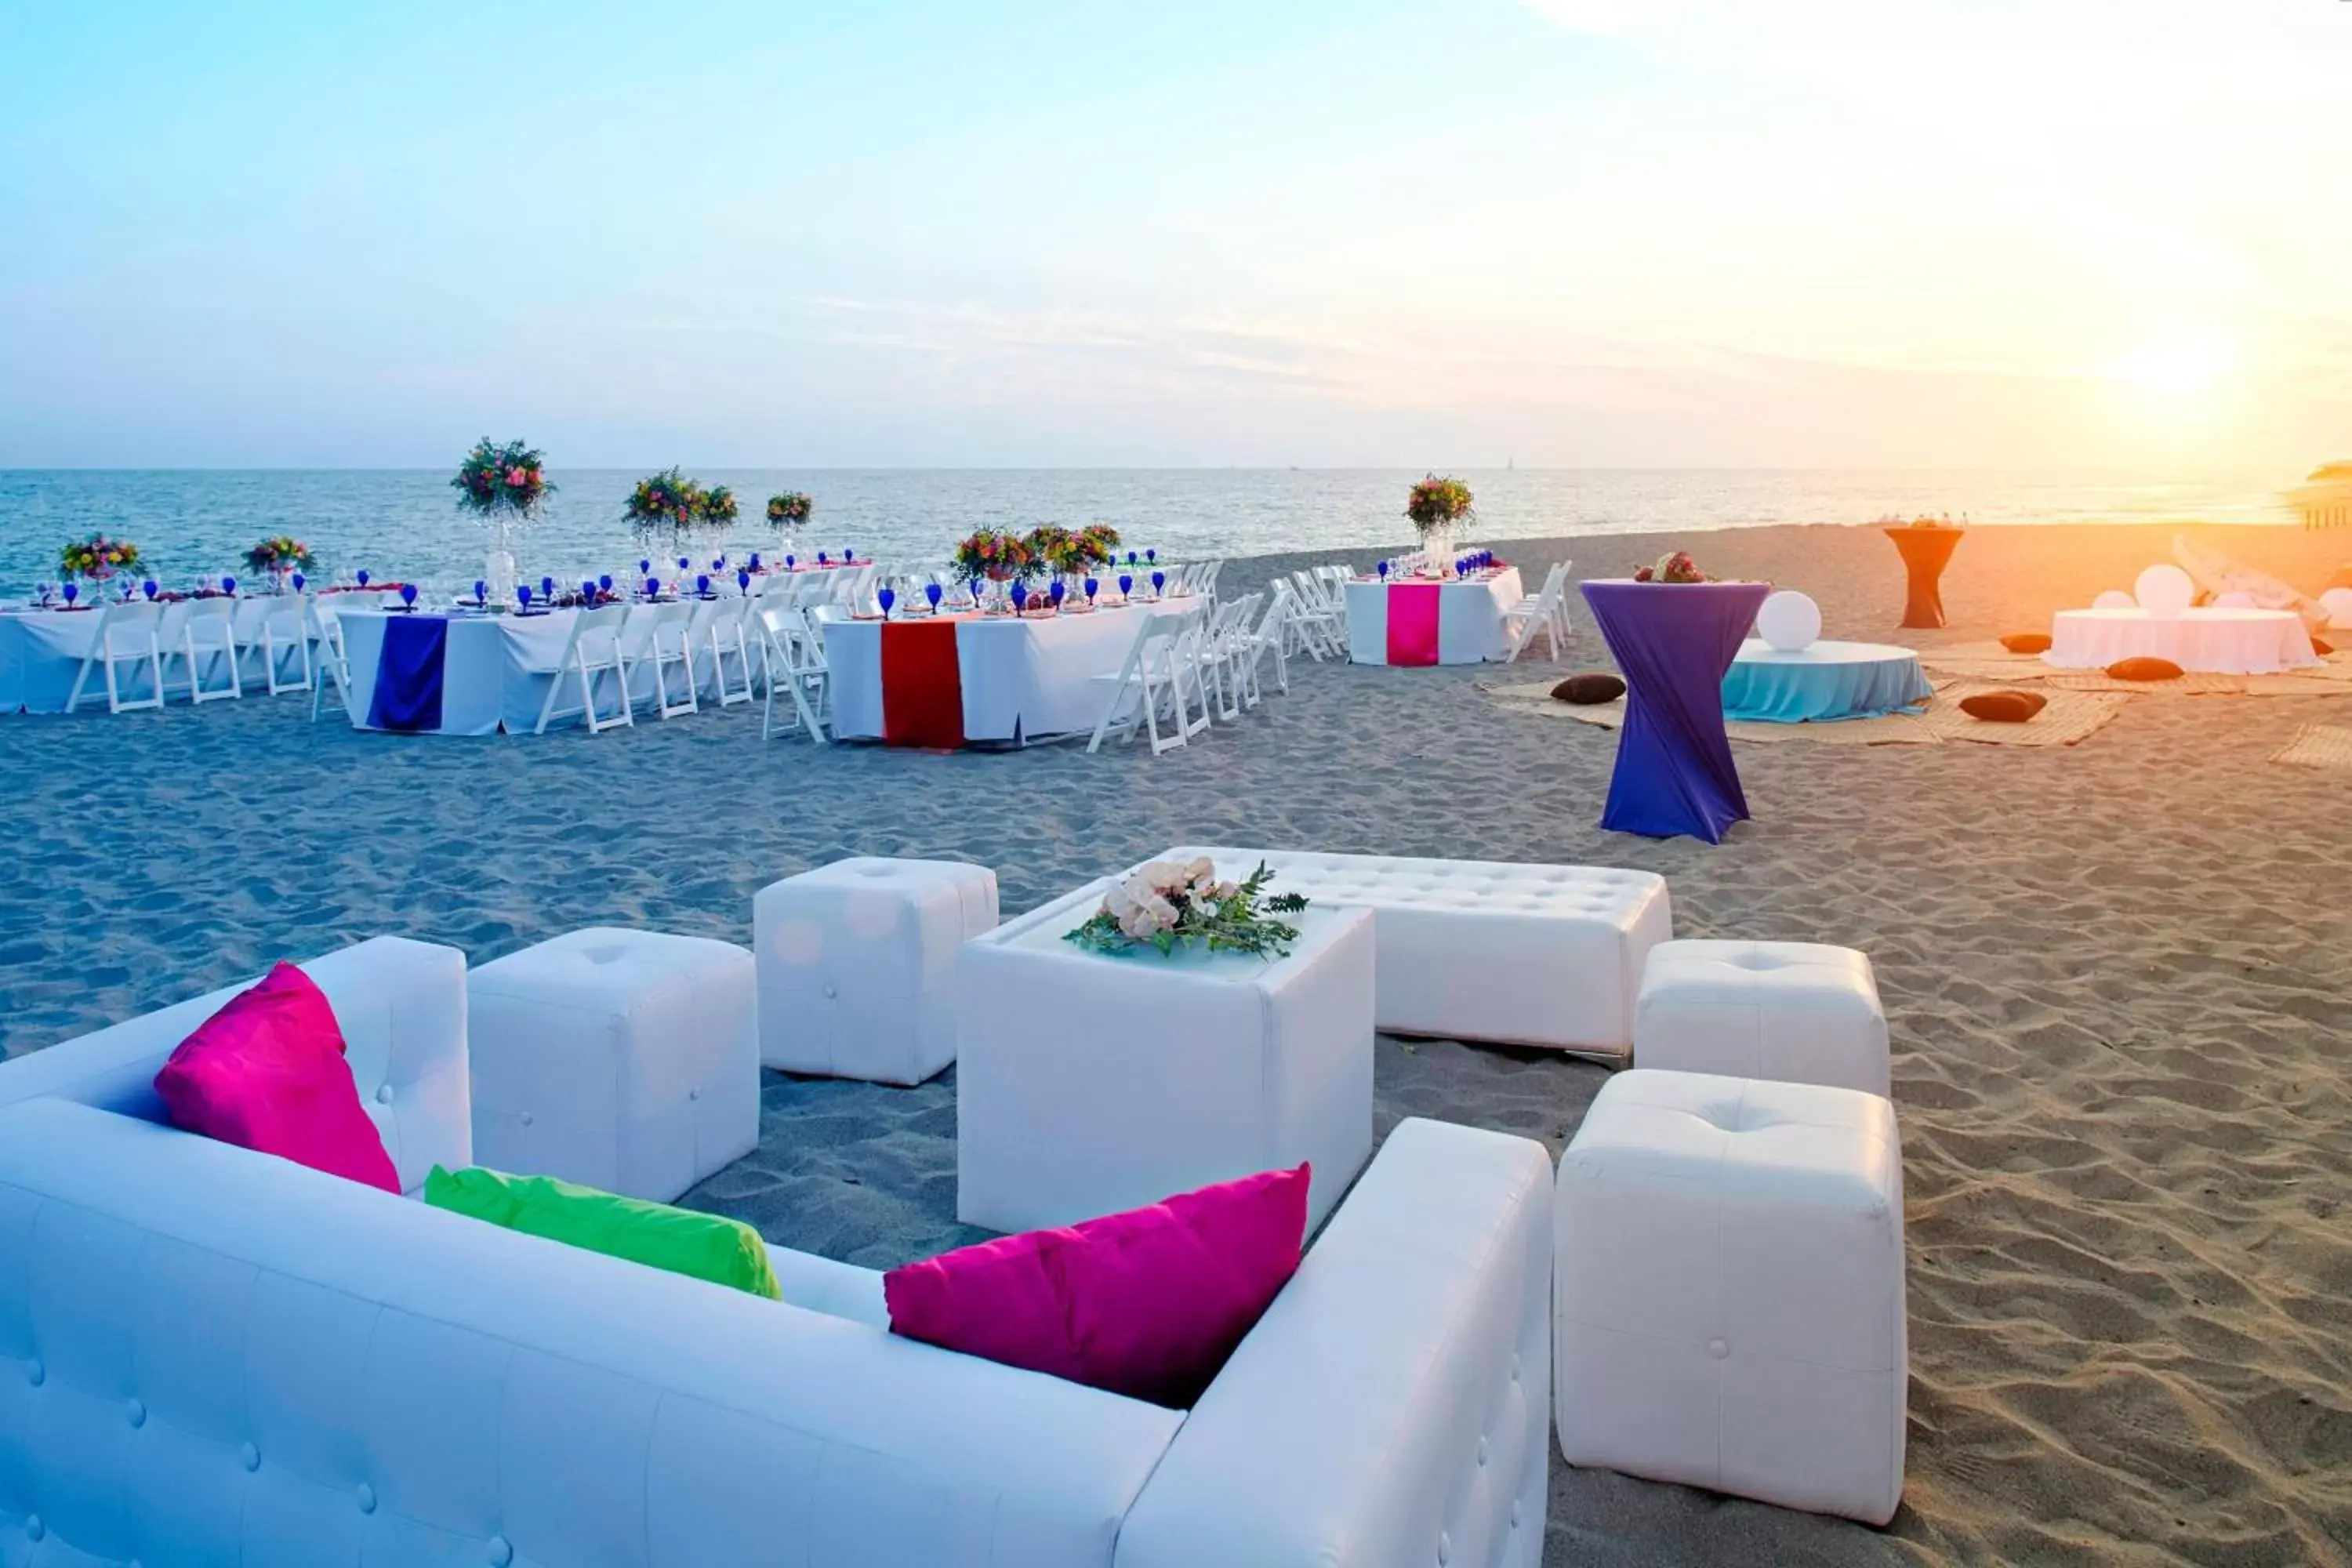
[
  {"x": 1088, "y": 1083},
  {"x": 1795, "y": 1012},
  {"x": 1490, "y": 949},
  {"x": 1728, "y": 1291},
  {"x": 628, "y": 1060},
  {"x": 856, "y": 962}
]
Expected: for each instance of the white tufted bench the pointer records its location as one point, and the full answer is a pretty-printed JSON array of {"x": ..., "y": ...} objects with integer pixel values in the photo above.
[
  {"x": 628, "y": 1060},
  {"x": 1484, "y": 950},
  {"x": 1795, "y": 1012},
  {"x": 856, "y": 962},
  {"x": 1729, "y": 1297}
]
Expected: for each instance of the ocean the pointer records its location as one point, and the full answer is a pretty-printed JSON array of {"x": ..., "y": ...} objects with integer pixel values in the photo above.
[{"x": 195, "y": 524}]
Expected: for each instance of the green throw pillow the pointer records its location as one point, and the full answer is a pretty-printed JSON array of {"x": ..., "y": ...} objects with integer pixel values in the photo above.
[{"x": 704, "y": 1245}]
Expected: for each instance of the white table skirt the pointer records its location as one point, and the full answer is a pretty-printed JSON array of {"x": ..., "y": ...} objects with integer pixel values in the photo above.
[
  {"x": 1024, "y": 680},
  {"x": 496, "y": 668},
  {"x": 2213, "y": 640},
  {"x": 1469, "y": 618},
  {"x": 41, "y": 653}
]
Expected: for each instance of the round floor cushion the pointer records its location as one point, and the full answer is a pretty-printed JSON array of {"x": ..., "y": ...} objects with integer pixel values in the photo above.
[
  {"x": 1586, "y": 689},
  {"x": 2003, "y": 707},
  {"x": 2145, "y": 668},
  {"x": 2026, "y": 642},
  {"x": 2321, "y": 648}
]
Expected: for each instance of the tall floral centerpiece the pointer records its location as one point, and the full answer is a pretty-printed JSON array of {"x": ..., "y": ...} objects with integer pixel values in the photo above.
[
  {"x": 667, "y": 506},
  {"x": 502, "y": 485},
  {"x": 279, "y": 557},
  {"x": 997, "y": 554},
  {"x": 1436, "y": 506},
  {"x": 788, "y": 513},
  {"x": 96, "y": 558}
]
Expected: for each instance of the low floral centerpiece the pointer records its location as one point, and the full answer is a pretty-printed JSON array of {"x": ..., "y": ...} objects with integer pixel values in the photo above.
[
  {"x": 502, "y": 484},
  {"x": 1674, "y": 567},
  {"x": 280, "y": 556},
  {"x": 998, "y": 554},
  {"x": 96, "y": 557},
  {"x": 1167, "y": 904},
  {"x": 1437, "y": 507}
]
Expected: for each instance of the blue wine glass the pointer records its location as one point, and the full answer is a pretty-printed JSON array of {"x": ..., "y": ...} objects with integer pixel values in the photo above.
[
  {"x": 481, "y": 592},
  {"x": 547, "y": 587},
  {"x": 702, "y": 585},
  {"x": 148, "y": 587},
  {"x": 1092, "y": 586},
  {"x": 605, "y": 582},
  {"x": 718, "y": 563},
  {"x": 847, "y": 556},
  {"x": 587, "y": 593},
  {"x": 361, "y": 577},
  {"x": 684, "y": 566},
  {"x": 1019, "y": 596},
  {"x": 755, "y": 561},
  {"x": 822, "y": 560},
  {"x": 645, "y": 568},
  {"x": 978, "y": 588},
  {"x": 788, "y": 562},
  {"x": 1153, "y": 556},
  {"x": 1159, "y": 581},
  {"x": 1130, "y": 558},
  {"x": 931, "y": 591},
  {"x": 1126, "y": 584},
  {"x": 887, "y": 598},
  {"x": 523, "y": 591},
  {"x": 409, "y": 594},
  {"x": 229, "y": 585},
  {"x": 743, "y": 582},
  {"x": 72, "y": 591},
  {"x": 298, "y": 581},
  {"x": 653, "y": 588},
  {"x": 1383, "y": 570},
  {"x": 1057, "y": 592}
]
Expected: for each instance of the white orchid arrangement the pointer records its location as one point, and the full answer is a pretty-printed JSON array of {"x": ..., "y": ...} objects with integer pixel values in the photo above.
[{"x": 1166, "y": 902}]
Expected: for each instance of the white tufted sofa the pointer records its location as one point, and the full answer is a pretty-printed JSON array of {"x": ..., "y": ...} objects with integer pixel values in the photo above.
[
  {"x": 1484, "y": 950},
  {"x": 212, "y": 1357}
]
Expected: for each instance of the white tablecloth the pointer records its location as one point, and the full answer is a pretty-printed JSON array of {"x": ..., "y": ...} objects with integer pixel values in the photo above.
[
  {"x": 496, "y": 670},
  {"x": 1469, "y": 618},
  {"x": 1027, "y": 679},
  {"x": 2218, "y": 641},
  {"x": 41, "y": 653}
]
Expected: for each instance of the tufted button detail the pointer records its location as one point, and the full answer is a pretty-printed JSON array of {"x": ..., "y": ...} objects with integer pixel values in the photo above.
[
  {"x": 137, "y": 1413},
  {"x": 1717, "y": 1349},
  {"x": 828, "y": 993},
  {"x": 1514, "y": 1366},
  {"x": 1445, "y": 1548},
  {"x": 1482, "y": 1453},
  {"x": 384, "y": 1094},
  {"x": 525, "y": 1119},
  {"x": 33, "y": 1528},
  {"x": 501, "y": 1551},
  {"x": 366, "y": 1498},
  {"x": 35, "y": 1373},
  {"x": 1515, "y": 1513},
  {"x": 694, "y": 1093},
  {"x": 249, "y": 1457}
]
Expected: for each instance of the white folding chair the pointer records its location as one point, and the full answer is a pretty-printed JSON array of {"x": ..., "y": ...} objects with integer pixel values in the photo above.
[
  {"x": 730, "y": 631},
  {"x": 1537, "y": 611},
  {"x": 207, "y": 641},
  {"x": 286, "y": 639},
  {"x": 1317, "y": 629},
  {"x": 796, "y": 662},
  {"x": 593, "y": 649},
  {"x": 124, "y": 637},
  {"x": 325, "y": 632},
  {"x": 669, "y": 634},
  {"x": 1154, "y": 678}
]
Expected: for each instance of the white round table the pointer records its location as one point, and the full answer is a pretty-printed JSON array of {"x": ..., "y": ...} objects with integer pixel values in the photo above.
[{"x": 2213, "y": 640}]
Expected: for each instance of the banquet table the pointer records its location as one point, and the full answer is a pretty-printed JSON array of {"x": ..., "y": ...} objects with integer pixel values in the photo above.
[
  {"x": 42, "y": 649},
  {"x": 1424, "y": 621},
  {"x": 493, "y": 671},
  {"x": 2211, "y": 639},
  {"x": 1925, "y": 552},
  {"x": 948, "y": 680},
  {"x": 1828, "y": 680},
  {"x": 1674, "y": 641}
]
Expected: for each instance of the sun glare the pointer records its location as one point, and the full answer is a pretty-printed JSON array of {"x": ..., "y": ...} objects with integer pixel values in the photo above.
[{"x": 2176, "y": 371}]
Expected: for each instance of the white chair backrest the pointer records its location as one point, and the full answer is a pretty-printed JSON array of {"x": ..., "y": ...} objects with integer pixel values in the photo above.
[
  {"x": 596, "y": 633},
  {"x": 127, "y": 629}
]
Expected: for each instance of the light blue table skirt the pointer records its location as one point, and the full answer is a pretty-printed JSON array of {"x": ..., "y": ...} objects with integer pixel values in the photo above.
[{"x": 1828, "y": 681}]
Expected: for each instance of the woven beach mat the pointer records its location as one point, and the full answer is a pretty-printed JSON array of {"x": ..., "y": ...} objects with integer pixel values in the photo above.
[
  {"x": 1894, "y": 729},
  {"x": 2066, "y": 718},
  {"x": 2190, "y": 685},
  {"x": 2327, "y": 746}
]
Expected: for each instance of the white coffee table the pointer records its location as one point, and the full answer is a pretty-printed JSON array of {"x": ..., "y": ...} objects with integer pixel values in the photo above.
[{"x": 1086, "y": 1084}]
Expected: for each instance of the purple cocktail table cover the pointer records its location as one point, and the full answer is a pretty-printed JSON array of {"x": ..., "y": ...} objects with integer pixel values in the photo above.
[{"x": 1674, "y": 641}]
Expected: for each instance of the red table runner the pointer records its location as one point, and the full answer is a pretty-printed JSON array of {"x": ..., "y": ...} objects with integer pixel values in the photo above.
[
  {"x": 922, "y": 684},
  {"x": 1413, "y": 623}
]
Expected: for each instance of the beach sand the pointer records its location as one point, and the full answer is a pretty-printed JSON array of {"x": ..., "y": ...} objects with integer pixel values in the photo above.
[{"x": 2115, "y": 974}]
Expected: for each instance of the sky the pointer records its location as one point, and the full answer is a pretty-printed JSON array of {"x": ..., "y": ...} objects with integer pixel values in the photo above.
[{"x": 2024, "y": 235}]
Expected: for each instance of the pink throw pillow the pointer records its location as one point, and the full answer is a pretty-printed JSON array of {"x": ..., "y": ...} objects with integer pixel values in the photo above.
[
  {"x": 1147, "y": 1303},
  {"x": 267, "y": 1072}
]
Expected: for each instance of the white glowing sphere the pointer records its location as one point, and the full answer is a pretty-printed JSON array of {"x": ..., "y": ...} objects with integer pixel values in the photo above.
[
  {"x": 2115, "y": 599},
  {"x": 1789, "y": 621},
  {"x": 2338, "y": 601},
  {"x": 2164, "y": 590}
]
